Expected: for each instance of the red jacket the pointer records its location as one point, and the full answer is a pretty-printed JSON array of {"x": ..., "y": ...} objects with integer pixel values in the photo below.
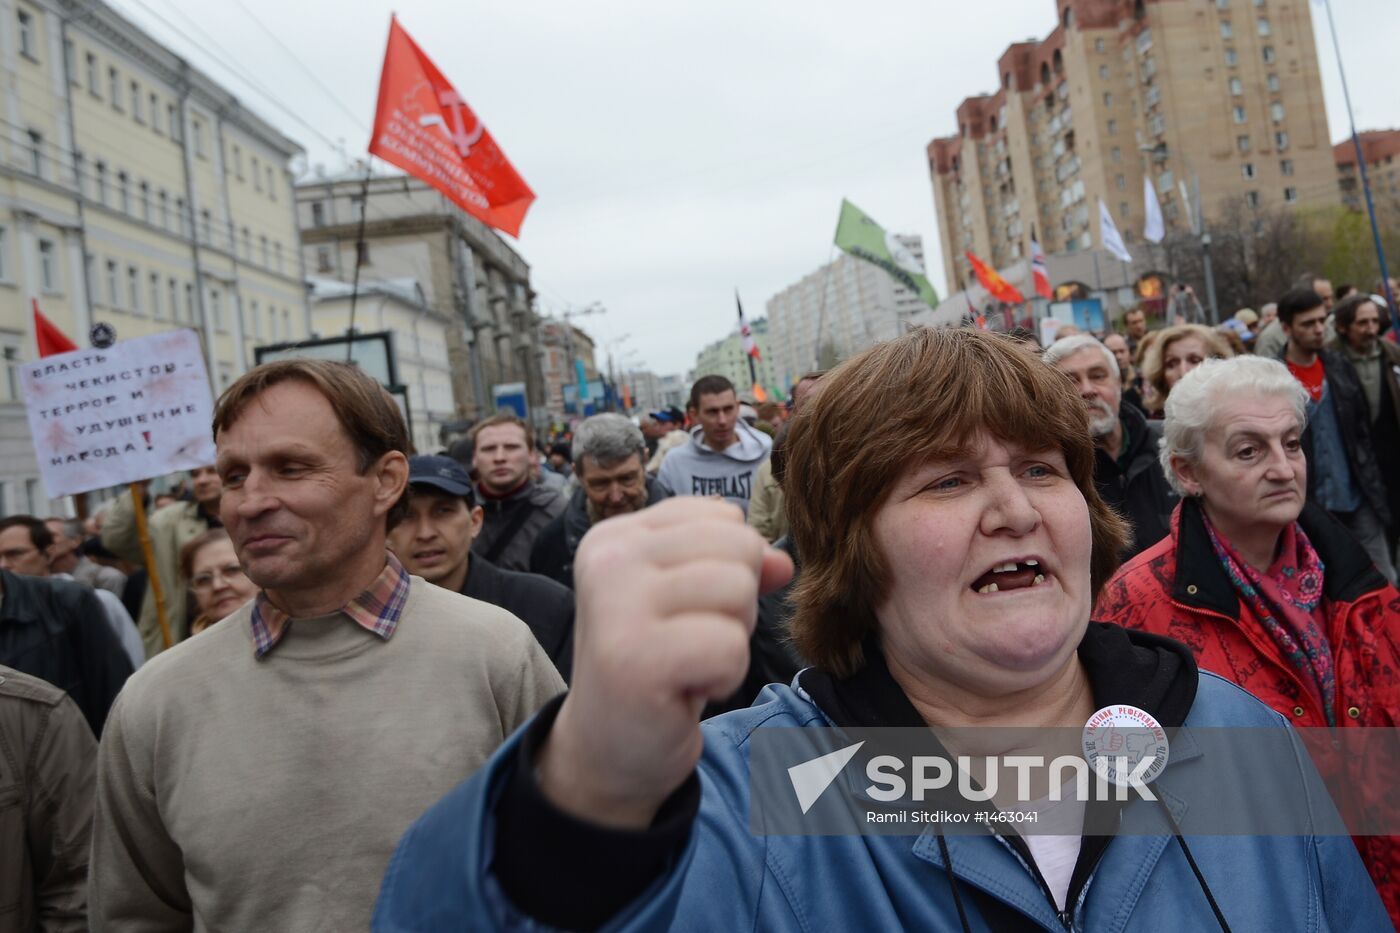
[{"x": 1178, "y": 588}]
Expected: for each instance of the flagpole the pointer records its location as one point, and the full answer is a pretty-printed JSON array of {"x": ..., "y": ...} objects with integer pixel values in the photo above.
[
  {"x": 359, "y": 255},
  {"x": 1365, "y": 180},
  {"x": 753, "y": 370}
]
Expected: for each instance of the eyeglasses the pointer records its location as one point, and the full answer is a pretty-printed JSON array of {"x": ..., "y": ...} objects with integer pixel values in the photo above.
[{"x": 205, "y": 581}]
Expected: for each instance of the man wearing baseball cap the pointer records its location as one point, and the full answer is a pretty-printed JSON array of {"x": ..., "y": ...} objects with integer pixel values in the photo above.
[{"x": 434, "y": 541}]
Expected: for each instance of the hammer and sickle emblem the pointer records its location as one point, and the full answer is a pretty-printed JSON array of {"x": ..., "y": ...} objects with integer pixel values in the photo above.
[{"x": 461, "y": 137}]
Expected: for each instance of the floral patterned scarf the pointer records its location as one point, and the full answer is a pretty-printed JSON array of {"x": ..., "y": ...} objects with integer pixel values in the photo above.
[{"x": 1287, "y": 601}]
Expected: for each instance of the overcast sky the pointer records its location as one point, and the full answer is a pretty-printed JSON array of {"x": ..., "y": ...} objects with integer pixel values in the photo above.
[{"x": 680, "y": 150}]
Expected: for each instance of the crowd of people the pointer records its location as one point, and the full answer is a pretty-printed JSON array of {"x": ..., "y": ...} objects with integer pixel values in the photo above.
[{"x": 513, "y": 683}]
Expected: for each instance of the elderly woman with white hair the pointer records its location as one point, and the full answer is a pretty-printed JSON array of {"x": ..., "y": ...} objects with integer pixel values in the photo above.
[{"x": 1268, "y": 589}]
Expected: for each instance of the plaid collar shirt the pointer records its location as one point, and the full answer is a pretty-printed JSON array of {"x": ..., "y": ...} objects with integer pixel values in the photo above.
[{"x": 376, "y": 609}]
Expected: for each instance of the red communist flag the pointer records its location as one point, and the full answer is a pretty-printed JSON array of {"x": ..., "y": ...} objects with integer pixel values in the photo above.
[
  {"x": 50, "y": 339},
  {"x": 1000, "y": 289},
  {"x": 423, "y": 126}
]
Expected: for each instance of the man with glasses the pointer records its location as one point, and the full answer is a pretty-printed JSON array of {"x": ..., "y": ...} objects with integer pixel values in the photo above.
[
  {"x": 54, "y": 629},
  {"x": 610, "y": 466}
]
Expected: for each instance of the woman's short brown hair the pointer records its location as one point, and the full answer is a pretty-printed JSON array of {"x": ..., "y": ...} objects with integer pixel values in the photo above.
[
  {"x": 367, "y": 413},
  {"x": 1154, "y": 368},
  {"x": 924, "y": 395}
]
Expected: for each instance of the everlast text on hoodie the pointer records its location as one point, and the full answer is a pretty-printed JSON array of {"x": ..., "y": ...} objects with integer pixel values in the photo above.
[{"x": 696, "y": 469}]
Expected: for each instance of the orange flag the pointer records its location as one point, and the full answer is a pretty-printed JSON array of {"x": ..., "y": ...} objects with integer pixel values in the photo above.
[
  {"x": 423, "y": 126},
  {"x": 1000, "y": 289}
]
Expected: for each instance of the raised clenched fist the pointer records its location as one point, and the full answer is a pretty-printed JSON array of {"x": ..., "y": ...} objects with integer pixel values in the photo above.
[{"x": 666, "y": 599}]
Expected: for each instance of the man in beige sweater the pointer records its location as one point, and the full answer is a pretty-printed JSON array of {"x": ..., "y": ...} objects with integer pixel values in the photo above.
[{"x": 258, "y": 776}]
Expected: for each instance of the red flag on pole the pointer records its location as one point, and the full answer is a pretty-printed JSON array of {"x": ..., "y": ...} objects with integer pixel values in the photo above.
[
  {"x": 999, "y": 288},
  {"x": 423, "y": 126},
  {"x": 50, "y": 339}
]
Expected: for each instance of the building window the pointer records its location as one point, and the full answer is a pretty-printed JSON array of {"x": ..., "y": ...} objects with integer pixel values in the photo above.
[
  {"x": 1238, "y": 114},
  {"x": 114, "y": 88},
  {"x": 1236, "y": 87},
  {"x": 257, "y": 175},
  {"x": 1276, "y": 111},
  {"x": 1098, "y": 46},
  {"x": 164, "y": 210},
  {"x": 180, "y": 216},
  {"x": 277, "y": 251},
  {"x": 238, "y": 161},
  {"x": 216, "y": 307},
  {"x": 1226, "y": 30},
  {"x": 102, "y": 183},
  {"x": 1285, "y": 166},
  {"x": 79, "y": 173},
  {"x": 205, "y": 227},
  {"x": 133, "y": 289},
  {"x": 1264, "y": 27},
  {"x": 1281, "y": 140},
  {"x": 271, "y": 183},
  {"x": 318, "y": 214},
  {"x": 155, "y": 295},
  {"x": 1116, "y": 154},
  {"x": 136, "y": 112},
  {"x": 36, "y": 153},
  {"x": 323, "y": 259},
  {"x": 1107, "y": 99},
  {"x": 11, "y": 359},
  {"x": 189, "y": 302},
  {"x": 113, "y": 298},
  {"x": 1113, "y": 127},
  {"x": 1251, "y": 198},
  {"x": 172, "y": 293},
  {"x": 1247, "y": 170},
  {"x": 27, "y": 43},
  {"x": 197, "y": 130},
  {"x": 155, "y": 112},
  {"x": 247, "y": 245},
  {"x": 1242, "y": 143},
  {"x": 1231, "y": 57},
  {"x": 1268, "y": 55},
  {"x": 1290, "y": 194},
  {"x": 145, "y": 202},
  {"x": 70, "y": 63},
  {"x": 1103, "y": 72},
  {"x": 1120, "y": 182},
  {"x": 92, "y": 82},
  {"x": 1272, "y": 82},
  {"x": 362, "y": 252},
  {"x": 172, "y": 117},
  {"x": 266, "y": 256},
  {"x": 1157, "y": 125},
  {"x": 123, "y": 193},
  {"x": 1222, "y": 4},
  {"x": 256, "y": 313},
  {"x": 48, "y": 272}
]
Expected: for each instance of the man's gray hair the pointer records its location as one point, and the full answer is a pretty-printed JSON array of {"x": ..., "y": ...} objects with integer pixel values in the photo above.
[
  {"x": 608, "y": 439},
  {"x": 1068, "y": 346},
  {"x": 1194, "y": 401}
]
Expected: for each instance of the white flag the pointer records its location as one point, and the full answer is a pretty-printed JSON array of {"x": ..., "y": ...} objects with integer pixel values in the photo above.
[
  {"x": 1112, "y": 239},
  {"x": 1153, "y": 228}
]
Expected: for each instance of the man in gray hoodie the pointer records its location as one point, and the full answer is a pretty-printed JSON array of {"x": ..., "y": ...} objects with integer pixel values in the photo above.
[{"x": 724, "y": 453}]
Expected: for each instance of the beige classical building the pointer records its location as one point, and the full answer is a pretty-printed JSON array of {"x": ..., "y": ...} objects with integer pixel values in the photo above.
[
  {"x": 1225, "y": 93},
  {"x": 136, "y": 192},
  {"x": 466, "y": 271},
  {"x": 1381, "y": 150}
]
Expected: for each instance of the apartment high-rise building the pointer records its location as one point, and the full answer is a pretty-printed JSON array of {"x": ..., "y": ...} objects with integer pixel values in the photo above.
[
  {"x": 863, "y": 305},
  {"x": 137, "y": 192},
  {"x": 726, "y": 357},
  {"x": 1381, "y": 150},
  {"x": 1223, "y": 95}
]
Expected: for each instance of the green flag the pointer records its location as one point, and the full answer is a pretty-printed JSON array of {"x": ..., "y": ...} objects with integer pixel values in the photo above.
[{"x": 863, "y": 238}]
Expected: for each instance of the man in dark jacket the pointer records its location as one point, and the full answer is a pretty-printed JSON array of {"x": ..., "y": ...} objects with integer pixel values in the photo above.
[
  {"x": 1359, "y": 324},
  {"x": 57, "y": 630},
  {"x": 434, "y": 541},
  {"x": 1127, "y": 472},
  {"x": 516, "y": 507},
  {"x": 1343, "y": 476},
  {"x": 50, "y": 765},
  {"x": 610, "y": 466}
]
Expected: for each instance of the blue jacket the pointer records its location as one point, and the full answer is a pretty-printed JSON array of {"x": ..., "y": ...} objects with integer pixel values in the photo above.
[{"x": 729, "y": 879}]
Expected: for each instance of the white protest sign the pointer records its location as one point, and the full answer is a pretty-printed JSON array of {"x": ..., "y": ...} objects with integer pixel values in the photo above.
[{"x": 140, "y": 408}]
